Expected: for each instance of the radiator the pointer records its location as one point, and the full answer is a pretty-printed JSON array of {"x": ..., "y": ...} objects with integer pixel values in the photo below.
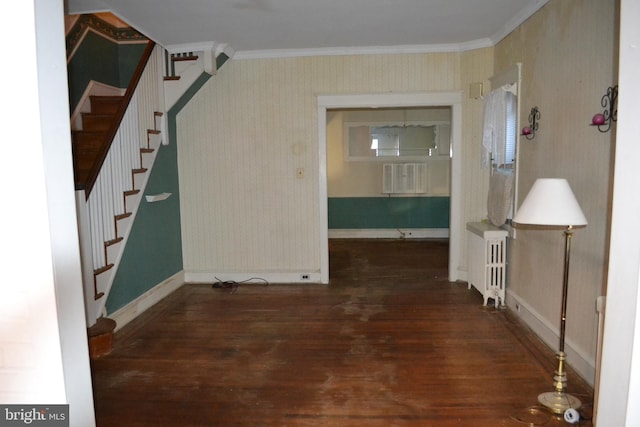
[{"x": 487, "y": 260}]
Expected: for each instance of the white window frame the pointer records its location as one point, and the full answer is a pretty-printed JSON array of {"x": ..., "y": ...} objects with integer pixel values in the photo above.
[{"x": 349, "y": 158}]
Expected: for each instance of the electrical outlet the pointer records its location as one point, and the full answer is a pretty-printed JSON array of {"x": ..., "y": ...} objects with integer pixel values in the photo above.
[{"x": 305, "y": 277}]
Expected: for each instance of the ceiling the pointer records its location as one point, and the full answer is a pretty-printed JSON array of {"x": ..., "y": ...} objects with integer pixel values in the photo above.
[{"x": 290, "y": 27}]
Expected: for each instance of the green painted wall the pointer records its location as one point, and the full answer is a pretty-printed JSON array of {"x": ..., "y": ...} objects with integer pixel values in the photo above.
[
  {"x": 128, "y": 58},
  {"x": 388, "y": 212},
  {"x": 104, "y": 61},
  {"x": 154, "y": 248},
  {"x": 153, "y": 251}
]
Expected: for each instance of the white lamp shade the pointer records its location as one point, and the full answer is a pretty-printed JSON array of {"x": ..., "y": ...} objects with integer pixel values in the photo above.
[{"x": 550, "y": 202}]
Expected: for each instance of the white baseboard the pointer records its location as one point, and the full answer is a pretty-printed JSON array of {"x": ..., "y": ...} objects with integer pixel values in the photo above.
[
  {"x": 463, "y": 276},
  {"x": 389, "y": 233},
  {"x": 139, "y": 305},
  {"x": 579, "y": 359},
  {"x": 252, "y": 277}
]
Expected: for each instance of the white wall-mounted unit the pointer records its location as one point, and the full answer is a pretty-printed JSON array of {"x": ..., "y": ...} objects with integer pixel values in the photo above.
[
  {"x": 487, "y": 252},
  {"x": 404, "y": 178}
]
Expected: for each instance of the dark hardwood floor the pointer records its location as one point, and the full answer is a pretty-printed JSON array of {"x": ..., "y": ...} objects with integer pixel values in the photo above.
[{"x": 389, "y": 342}]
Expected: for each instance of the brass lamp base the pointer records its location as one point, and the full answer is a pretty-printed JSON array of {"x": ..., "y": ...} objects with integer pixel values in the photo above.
[{"x": 559, "y": 402}]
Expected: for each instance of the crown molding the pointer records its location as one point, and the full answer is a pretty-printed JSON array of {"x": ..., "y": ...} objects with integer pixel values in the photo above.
[
  {"x": 363, "y": 50},
  {"x": 509, "y": 26},
  {"x": 491, "y": 41}
]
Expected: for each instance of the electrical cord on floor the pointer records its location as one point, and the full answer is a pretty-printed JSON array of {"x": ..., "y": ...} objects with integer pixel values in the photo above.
[
  {"x": 584, "y": 415},
  {"x": 401, "y": 234},
  {"x": 233, "y": 285}
]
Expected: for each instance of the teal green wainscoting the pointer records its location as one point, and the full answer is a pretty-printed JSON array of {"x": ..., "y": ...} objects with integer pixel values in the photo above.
[
  {"x": 153, "y": 252},
  {"x": 154, "y": 249},
  {"x": 388, "y": 212}
]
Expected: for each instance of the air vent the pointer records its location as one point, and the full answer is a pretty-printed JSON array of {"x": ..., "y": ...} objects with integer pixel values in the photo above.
[{"x": 404, "y": 178}]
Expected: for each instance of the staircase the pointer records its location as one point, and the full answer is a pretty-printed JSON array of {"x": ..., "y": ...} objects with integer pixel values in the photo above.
[
  {"x": 113, "y": 155},
  {"x": 91, "y": 141}
]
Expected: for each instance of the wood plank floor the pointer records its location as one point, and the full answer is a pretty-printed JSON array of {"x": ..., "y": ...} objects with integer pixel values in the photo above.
[{"x": 390, "y": 342}]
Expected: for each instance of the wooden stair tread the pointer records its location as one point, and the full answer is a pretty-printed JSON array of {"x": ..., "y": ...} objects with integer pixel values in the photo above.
[
  {"x": 156, "y": 115},
  {"x": 147, "y": 150},
  {"x": 131, "y": 192},
  {"x": 97, "y": 121},
  {"x": 113, "y": 241},
  {"x": 87, "y": 132},
  {"x": 139, "y": 170},
  {"x": 171, "y": 77},
  {"x": 81, "y": 136},
  {"x": 107, "y": 98},
  {"x": 122, "y": 216},
  {"x": 102, "y": 269},
  {"x": 85, "y": 156},
  {"x": 184, "y": 58},
  {"x": 88, "y": 143},
  {"x": 105, "y": 104},
  {"x": 89, "y": 146},
  {"x": 92, "y": 115},
  {"x": 86, "y": 150}
]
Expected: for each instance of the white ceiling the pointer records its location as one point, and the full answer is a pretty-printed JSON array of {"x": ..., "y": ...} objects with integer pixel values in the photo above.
[{"x": 278, "y": 27}]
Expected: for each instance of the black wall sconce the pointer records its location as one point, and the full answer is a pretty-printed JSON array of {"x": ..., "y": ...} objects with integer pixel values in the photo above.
[
  {"x": 610, "y": 114},
  {"x": 529, "y": 132}
]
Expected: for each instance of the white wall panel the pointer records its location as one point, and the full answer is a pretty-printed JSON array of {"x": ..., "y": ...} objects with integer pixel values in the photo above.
[
  {"x": 567, "y": 50},
  {"x": 477, "y": 67},
  {"x": 252, "y": 126}
]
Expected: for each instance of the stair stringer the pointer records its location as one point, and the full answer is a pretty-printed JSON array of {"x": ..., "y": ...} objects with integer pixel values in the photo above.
[
  {"x": 123, "y": 223},
  {"x": 100, "y": 279}
]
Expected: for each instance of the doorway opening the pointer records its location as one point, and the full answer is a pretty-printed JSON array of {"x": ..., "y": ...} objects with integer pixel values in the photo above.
[{"x": 451, "y": 101}]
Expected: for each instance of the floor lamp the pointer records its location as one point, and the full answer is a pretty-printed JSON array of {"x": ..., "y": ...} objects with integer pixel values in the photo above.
[{"x": 551, "y": 203}]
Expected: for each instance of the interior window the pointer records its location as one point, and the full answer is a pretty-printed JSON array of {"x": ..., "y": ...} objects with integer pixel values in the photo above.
[
  {"x": 396, "y": 134},
  {"x": 393, "y": 141}
]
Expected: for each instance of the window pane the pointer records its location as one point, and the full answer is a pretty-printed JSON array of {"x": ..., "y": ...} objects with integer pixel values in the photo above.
[
  {"x": 510, "y": 146},
  {"x": 360, "y": 142}
]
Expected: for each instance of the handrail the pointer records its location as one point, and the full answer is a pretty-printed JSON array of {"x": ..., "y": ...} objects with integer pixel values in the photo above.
[{"x": 111, "y": 133}]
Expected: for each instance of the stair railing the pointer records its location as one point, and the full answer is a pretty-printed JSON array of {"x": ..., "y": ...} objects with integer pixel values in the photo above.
[
  {"x": 111, "y": 196},
  {"x": 133, "y": 85}
]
